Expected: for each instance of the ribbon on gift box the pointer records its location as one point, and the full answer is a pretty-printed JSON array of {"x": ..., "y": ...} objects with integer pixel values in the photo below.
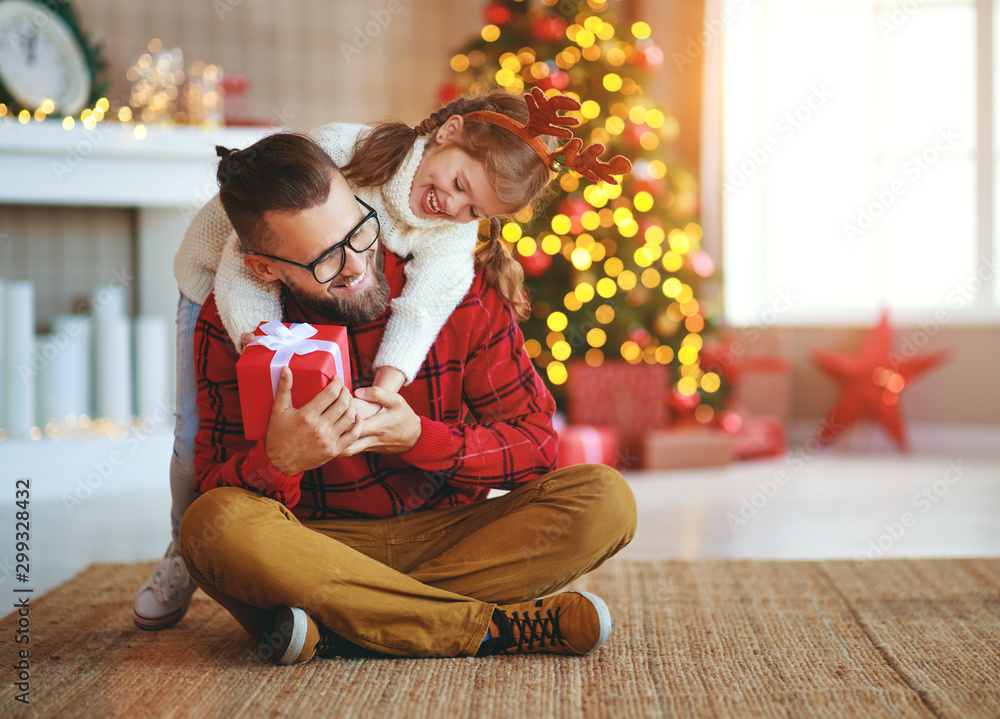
[{"x": 286, "y": 342}]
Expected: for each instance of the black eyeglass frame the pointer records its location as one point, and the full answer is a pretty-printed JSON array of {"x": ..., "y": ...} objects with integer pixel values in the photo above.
[{"x": 346, "y": 242}]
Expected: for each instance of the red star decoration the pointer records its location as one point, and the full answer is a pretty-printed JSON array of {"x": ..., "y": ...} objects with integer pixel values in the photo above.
[{"x": 871, "y": 383}]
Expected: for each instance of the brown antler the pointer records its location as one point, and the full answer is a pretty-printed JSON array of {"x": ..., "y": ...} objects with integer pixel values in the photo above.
[
  {"x": 587, "y": 163},
  {"x": 544, "y": 117}
]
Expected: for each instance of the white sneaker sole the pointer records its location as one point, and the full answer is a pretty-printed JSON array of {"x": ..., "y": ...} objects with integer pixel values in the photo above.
[
  {"x": 299, "y": 623},
  {"x": 604, "y": 617}
]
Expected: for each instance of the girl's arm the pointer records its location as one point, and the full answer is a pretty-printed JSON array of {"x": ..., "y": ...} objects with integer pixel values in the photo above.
[
  {"x": 244, "y": 300},
  {"x": 438, "y": 276}
]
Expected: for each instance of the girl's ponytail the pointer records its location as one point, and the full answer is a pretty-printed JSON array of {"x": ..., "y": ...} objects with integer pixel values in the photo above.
[
  {"x": 504, "y": 272},
  {"x": 380, "y": 154}
]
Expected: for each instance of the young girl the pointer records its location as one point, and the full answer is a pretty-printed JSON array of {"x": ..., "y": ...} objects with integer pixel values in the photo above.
[{"x": 475, "y": 158}]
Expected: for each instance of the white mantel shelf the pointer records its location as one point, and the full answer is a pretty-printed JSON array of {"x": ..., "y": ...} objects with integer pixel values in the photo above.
[{"x": 42, "y": 163}]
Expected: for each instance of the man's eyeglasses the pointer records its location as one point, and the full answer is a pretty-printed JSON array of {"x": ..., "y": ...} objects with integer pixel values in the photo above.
[{"x": 327, "y": 266}]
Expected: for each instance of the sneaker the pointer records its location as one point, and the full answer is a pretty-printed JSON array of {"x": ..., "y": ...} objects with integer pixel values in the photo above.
[
  {"x": 567, "y": 623},
  {"x": 164, "y": 599},
  {"x": 297, "y": 637}
]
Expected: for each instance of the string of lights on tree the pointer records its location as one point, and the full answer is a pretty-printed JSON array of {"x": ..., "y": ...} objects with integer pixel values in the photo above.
[{"x": 613, "y": 270}]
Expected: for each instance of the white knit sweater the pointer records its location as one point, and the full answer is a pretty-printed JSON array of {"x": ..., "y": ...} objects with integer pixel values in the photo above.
[{"x": 438, "y": 275}]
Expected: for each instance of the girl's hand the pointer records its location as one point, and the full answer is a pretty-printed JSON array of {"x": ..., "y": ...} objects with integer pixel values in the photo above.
[
  {"x": 394, "y": 430},
  {"x": 365, "y": 409}
]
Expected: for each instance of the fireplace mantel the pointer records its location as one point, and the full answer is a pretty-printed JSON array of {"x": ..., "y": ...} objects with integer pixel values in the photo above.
[
  {"x": 42, "y": 163},
  {"x": 165, "y": 177}
]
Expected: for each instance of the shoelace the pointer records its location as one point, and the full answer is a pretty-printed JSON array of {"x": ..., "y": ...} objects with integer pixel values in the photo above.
[
  {"x": 170, "y": 579},
  {"x": 327, "y": 642},
  {"x": 537, "y": 629}
]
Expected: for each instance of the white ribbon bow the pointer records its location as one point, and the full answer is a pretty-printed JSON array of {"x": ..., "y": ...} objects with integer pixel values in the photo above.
[{"x": 290, "y": 341}]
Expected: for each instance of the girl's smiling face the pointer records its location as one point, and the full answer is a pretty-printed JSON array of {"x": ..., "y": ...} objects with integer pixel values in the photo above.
[{"x": 449, "y": 184}]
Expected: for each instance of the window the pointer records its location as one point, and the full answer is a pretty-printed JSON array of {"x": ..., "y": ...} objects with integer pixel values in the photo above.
[{"x": 855, "y": 169}]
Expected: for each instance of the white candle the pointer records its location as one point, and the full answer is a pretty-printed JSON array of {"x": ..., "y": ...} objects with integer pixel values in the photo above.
[
  {"x": 113, "y": 368},
  {"x": 19, "y": 346},
  {"x": 151, "y": 363},
  {"x": 50, "y": 389},
  {"x": 73, "y": 333},
  {"x": 108, "y": 301}
]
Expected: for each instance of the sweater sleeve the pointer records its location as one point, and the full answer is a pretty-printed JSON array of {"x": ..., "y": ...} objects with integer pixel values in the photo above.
[
  {"x": 438, "y": 276},
  {"x": 244, "y": 300},
  {"x": 510, "y": 439},
  {"x": 198, "y": 256}
]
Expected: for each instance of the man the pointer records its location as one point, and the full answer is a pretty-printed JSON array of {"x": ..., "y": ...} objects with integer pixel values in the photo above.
[{"x": 334, "y": 532}]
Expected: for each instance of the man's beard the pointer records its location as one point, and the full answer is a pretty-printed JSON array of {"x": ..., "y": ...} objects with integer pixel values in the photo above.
[{"x": 355, "y": 309}]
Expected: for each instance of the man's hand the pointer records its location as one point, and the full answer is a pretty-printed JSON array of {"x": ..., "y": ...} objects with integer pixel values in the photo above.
[
  {"x": 245, "y": 339},
  {"x": 394, "y": 430},
  {"x": 310, "y": 436}
]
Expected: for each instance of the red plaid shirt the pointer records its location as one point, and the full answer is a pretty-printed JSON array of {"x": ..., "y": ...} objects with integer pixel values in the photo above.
[{"x": 477, "y": 366}]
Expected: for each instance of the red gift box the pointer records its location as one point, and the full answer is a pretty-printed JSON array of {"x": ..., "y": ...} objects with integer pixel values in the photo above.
[
  {"x": 759, "y": 437},
  {"x": 757, "y": 368},
  {"x": 686, "y": 447},
  {"x": 315, "y": 354},
  {"x": 630, "y": 398},
  {"x": 580, "y": 444}
]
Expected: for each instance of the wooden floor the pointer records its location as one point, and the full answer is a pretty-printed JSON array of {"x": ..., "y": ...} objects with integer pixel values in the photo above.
[{"x": 828, "y": 505}]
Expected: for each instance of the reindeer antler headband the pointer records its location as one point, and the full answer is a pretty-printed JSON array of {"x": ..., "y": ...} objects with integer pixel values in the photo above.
[{"x": 544, "y": 119}]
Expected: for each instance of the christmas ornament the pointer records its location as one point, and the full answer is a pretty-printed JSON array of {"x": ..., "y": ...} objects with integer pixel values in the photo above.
[
  {"x": 535, "y": 265},
  {"x": 632, "y": 134},
  {"x": 871, "y": 383},
  {"x": 683, "y": 406},
  {"x": 648, "y": 58},
  {"x": 573, "y": 207},
  {"x": 557, "y": 81},
  {"x": 548, "y": 29},
  {"x": 448, "y": 93},
  {"x": 497, "y": 14}
]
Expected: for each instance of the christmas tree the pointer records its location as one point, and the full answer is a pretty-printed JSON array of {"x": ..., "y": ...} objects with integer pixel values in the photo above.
[{"x": 613, "y": 269}]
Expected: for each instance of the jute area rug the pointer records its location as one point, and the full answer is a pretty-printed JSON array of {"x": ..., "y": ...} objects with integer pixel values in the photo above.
[{"x": 702, "y": 639}]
